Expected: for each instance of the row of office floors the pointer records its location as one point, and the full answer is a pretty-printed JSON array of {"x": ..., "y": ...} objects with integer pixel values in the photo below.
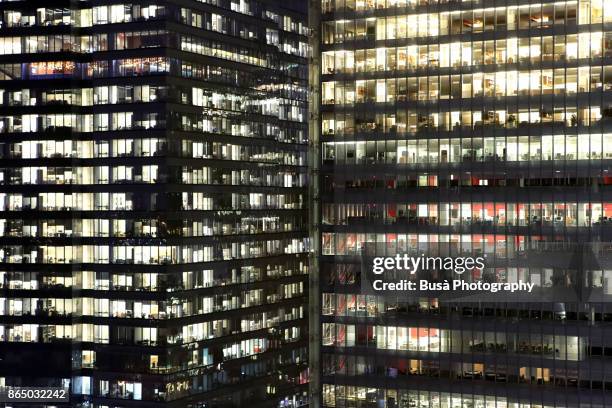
[
  {"x": 153, "y": 243},
  {"x": 476, "y": 130},
  {"x": 552, "y": 349}
]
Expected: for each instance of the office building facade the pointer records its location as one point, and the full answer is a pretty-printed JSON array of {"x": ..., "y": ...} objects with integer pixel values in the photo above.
[
  {"x": 482, "y": 127},
  {"x": 153, "y": 219}
]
